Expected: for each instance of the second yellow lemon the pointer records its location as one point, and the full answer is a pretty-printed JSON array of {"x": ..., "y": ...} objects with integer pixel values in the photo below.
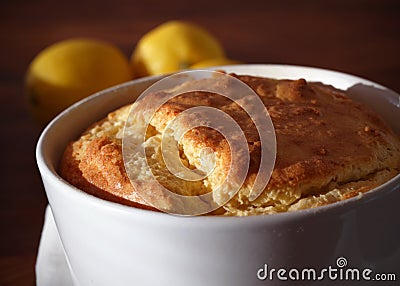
[{"x": 173, "y": 46}]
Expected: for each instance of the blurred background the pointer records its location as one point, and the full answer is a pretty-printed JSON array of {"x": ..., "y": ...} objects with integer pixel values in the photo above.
[{"x": 360, "y": 37}]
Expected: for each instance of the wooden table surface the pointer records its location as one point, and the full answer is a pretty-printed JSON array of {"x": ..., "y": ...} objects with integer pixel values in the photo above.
[{"x": 357, "y": 37}]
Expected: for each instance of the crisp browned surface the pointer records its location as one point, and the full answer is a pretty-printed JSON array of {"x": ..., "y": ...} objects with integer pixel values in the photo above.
[
  {"x": 359, "y": 37},
  {"x": 328, "y": 146}
]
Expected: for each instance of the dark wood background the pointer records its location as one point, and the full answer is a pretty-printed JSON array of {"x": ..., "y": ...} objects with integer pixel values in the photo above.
[{"x": 357, "y": 37}]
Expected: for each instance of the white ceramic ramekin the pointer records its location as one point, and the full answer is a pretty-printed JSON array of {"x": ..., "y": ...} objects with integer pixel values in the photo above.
[{"x": 111, "y": 244}]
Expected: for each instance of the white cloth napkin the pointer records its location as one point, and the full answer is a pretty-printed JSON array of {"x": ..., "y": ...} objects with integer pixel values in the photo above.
[{"x": 51, "y": 264}]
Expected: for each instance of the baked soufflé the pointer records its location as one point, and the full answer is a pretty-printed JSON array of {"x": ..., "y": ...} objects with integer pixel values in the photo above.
[{"x": 329, "y": 148}]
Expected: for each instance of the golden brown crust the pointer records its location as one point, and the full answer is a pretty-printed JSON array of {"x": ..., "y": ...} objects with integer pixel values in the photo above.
[{"x": 329, "y": 148}]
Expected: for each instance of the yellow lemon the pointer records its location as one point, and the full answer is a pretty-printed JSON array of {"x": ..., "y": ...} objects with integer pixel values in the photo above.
[
  {"x": 70, "y": 70},
  {"x": 173, "y": 46},
  {"x": 215, "y": 62}
]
